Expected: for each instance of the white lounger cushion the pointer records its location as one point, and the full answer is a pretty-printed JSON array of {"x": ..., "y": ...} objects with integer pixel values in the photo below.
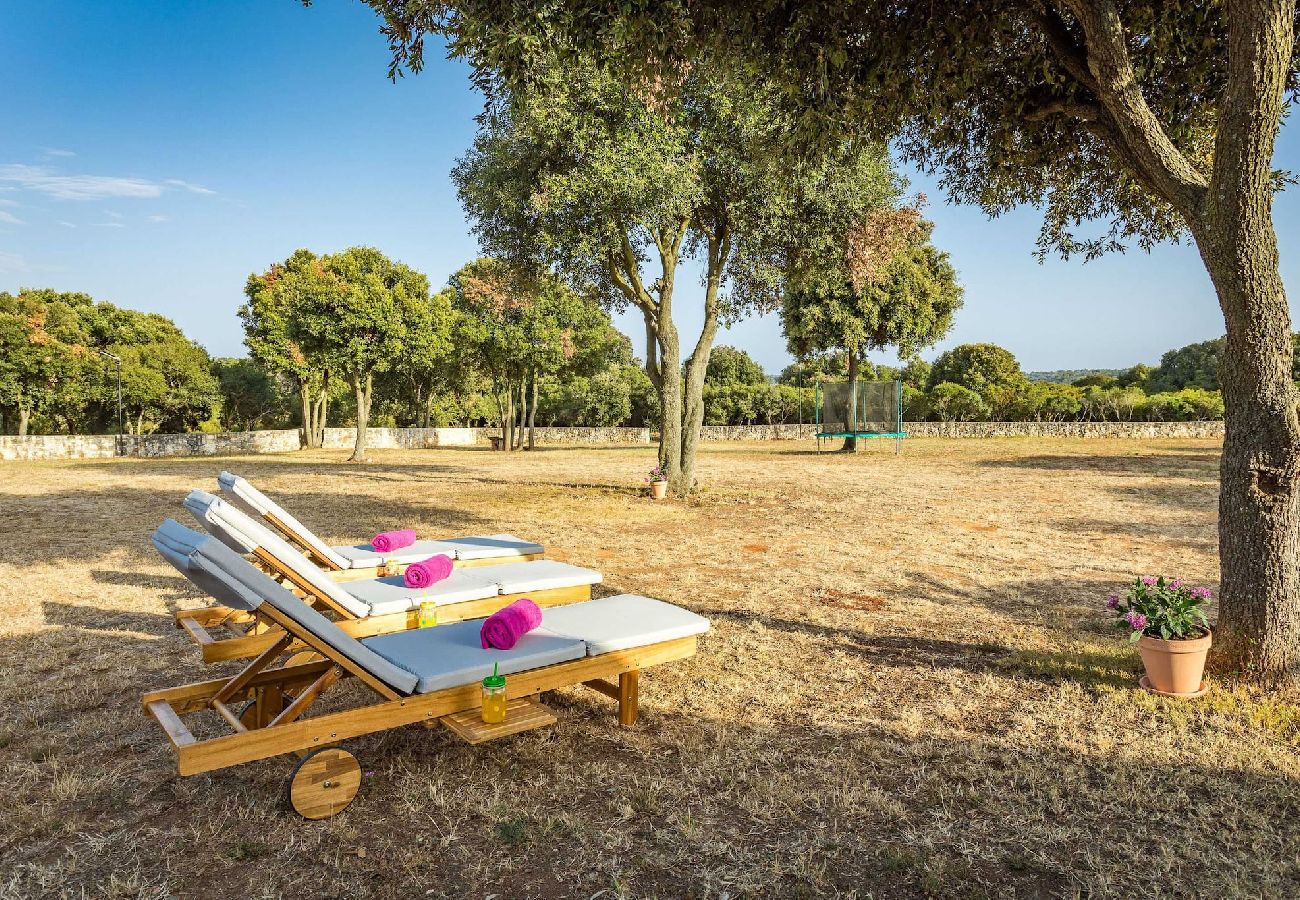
[
  {"x": 451, "y": 655},
  {"x": 363, "y": 556},
  {"x": 621, "y": 622},
  {"x": 541, "y": 575},
  {"x": 390, "y": 594},
  {"x": 248, "y": 496},
  {"x": 493, "y": 546},
  {"x": 235, "y": 528}
]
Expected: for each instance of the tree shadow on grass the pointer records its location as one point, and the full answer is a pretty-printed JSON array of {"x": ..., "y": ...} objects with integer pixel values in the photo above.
[
  {"x": 87, "y": 523},
  {"x": 1194, "y": 465}
]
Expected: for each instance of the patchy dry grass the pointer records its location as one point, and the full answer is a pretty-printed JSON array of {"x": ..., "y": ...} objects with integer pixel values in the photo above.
[{"x": 908, "y": 689}]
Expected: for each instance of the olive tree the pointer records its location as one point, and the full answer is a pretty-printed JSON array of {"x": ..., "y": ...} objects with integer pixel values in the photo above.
[{"x": 1159, "y": 120}]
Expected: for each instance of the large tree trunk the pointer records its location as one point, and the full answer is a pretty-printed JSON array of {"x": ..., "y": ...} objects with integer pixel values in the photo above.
[
  {"x": 24, "y": 416},
  {"x": 670, "y": 406},
  {"x": 851, "y": 406},
  {"x": 1258, "y": 629},
  {"x": 532, "y": 417},
  {"x": 308, "y": 432},
  {"x": 696, "y": 367},
  {"x": 363, "y": 388}
]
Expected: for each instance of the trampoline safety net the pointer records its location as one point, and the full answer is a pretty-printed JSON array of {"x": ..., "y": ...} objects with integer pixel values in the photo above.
[{"x": 864, "y": 408}]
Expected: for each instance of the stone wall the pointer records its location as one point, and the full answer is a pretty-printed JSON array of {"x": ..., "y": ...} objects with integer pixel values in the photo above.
[
  {"x": 93, "y": 446},
  {"x": 984, "y": 430}
]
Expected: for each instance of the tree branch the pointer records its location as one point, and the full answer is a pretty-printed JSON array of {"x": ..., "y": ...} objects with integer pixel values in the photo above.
[{"x": 1159, "y": 164}]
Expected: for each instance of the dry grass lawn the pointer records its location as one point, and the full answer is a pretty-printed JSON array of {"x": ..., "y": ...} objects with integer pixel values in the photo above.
[{"x": 909, "y": 688}]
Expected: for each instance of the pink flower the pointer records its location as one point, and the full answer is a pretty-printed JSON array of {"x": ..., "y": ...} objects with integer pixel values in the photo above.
[
  {"x": 1112, "y": 601},
  {"x": 1175, "y": 584},
  {"x": 1201, "y": 593},
  {"x": 1149, "y": 580},
  {"x": 1136, "y": 619}
]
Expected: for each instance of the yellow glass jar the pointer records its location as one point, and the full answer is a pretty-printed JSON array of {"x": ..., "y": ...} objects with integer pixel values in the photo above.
[
  {"x": 428, "y": 614},
  {"x": 494, "y": 698}
]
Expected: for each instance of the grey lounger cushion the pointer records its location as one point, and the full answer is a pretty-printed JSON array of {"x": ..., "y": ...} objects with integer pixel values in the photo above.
[
  {"x": 540, "y": 575},
  {"x": 390, "y": 594},
  {"x": 196, "y": 555},
  {"x": 235, "y": 529},
  {"x": 621, "y": 622},
  {"x": 363, "y": 556},
  {"x": 450, "y": 655},
  {"x": 493, "y": 546}
]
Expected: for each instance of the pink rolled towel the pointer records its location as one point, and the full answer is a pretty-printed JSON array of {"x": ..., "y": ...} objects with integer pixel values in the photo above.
[
  {"x": 427, "y": 572},
  {"x": 503, "y": 629},
  {"x": 388, "y": 541}
]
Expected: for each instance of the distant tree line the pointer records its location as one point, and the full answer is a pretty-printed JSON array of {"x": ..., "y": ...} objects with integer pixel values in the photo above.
[{"x": 487, "y": 350}]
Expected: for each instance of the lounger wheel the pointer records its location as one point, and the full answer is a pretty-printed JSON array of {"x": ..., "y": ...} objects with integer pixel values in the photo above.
[{"x": 324, "y": 782}]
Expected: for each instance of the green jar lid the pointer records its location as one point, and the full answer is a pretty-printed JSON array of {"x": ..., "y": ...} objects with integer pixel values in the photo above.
[{"x": 494, "y": 681}]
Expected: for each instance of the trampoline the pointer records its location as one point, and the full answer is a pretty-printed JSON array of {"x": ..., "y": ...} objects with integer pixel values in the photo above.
[{"x": 862, "y": 409}]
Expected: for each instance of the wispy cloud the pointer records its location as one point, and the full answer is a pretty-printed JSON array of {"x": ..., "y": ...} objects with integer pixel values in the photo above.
[
  {"x": 189, "y": 186},
  {"x": 160, "y": 218},
  {"x": 44, "y": 180},
  {"x": 67, "y": 224},
  {"x": 109, "y": 225},
  {"x": 56, "y": 151},
  {"x": 9, "y": 218},
  {"x": 13, "y": 263}
]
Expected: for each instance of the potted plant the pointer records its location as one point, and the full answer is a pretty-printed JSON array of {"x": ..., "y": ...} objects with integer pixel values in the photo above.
[
  {"x": 1167, "y": 620},
  {"x": 658, "y": 482}
]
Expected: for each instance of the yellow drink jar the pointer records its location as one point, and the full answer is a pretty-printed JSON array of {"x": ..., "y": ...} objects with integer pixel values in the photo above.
[{"x": 494, "y": 698}]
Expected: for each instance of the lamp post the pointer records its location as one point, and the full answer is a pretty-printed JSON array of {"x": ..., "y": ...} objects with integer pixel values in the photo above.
[{"x": 118, "y": 360}]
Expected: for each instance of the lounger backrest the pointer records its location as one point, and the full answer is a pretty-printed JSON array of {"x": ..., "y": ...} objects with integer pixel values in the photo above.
[
  {"x": 260, "y": 504},
  {"x": 196, "y": 556},
  {"x": 241, "y": 532},
  {"x": 232, "y": 576}
]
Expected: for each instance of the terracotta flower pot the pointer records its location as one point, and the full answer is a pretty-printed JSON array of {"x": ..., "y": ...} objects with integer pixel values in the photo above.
[
  {"x": 659, "y": 489},
  {"x": 1174, "y": 667}
]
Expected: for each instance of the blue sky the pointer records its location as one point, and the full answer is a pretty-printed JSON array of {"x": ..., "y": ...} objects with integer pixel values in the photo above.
[{"x": 154, "y": 155}]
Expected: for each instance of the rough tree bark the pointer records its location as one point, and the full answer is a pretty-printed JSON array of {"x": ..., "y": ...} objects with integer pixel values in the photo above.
[
  {"x": 698, "y": 363},
  {"x": 851, "y": 405},
  {"x": 532, "y": 416},
  {"x": 24, "y": 417},
  {"x": 364, "y": 389},
  {"x": 1229, "y": 214}
]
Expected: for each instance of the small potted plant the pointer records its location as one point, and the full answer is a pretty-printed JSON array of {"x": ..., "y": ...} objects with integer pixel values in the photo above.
[
  {"x": 658, "y": 482},
  {"x": 1167, "y": 620}
]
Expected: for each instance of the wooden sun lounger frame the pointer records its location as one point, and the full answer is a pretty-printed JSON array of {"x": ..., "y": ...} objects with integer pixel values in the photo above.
[
  {"x": 273, "y": 724},
  {"x": 339, "y": 574},
  {"x": 253, "y": 633}
]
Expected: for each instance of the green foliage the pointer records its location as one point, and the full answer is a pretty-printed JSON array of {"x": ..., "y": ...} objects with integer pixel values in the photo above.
[
  {"x": 814, "y": 368},
  {"x": 738, "y": 403},
  {"x": 978, "y": 367},
  {"x": 250, "y": 398},
  {"x": 949, "y": 402},
  {"x": 1069, "y": 376},
  {"x": 1095, "y": 380},
  {"x": 1160, "y": 608},
  {"x": 727, "y": 365},
  {"x": 1196, "y": 365},
  {"x": 909, "y": 306},
  {"x": 51, "y": 374}
]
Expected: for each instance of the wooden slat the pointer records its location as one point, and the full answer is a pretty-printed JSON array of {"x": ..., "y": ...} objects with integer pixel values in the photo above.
[
  {"x": 603, "y": 686},
  {"x": 215, "y": 616},
  {"x": 264, "y": 659},
  {"x": 198, "y": 634},
  {"x": 320, "y": 731},
  {"x": 307, "y": 697},
  {"x": 521, "y": 715},
  {"x": 629, "y": 697},
  {"x": 301, "y": 583},
  {"x": 171, "y": 723},
  {"x": 299, "y": 541},
  {"x": 229, "y": 715},
  {"x": 191, "y": 697}
]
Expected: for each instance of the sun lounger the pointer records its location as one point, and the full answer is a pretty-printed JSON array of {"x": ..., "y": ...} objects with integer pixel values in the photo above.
[
  {"x": 430, "y": 675},
  {"x": 362, "y": 560},
  {"x": 379, "y": 605}
]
